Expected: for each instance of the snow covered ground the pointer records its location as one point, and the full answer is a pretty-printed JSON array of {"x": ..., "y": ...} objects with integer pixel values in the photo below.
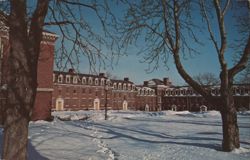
[{"x": 130, "y": 135}]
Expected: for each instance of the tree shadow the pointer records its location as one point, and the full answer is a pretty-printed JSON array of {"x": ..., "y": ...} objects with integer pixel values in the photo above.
[{"x": 199, "y": 139}]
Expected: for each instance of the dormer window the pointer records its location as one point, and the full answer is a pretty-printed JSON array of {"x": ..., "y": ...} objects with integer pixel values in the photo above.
[
  {"x": 102, "y": 82},
  {"x": 83, "y": 80},
  {"x": 96, "y": 82},
  {"x": 124, "y": 86},
  {"x": 152, "y": 92},
  {"x": 114, "y": 85},
  {"x": 119, "y": 86},
  {"x": 129, "y": 86},
  {"x": 75, "y": 79},
  {"x": 108, "y": 82},
  {"x": 67, "y": 78},
  {"x": 60, "y": 78},
  {"x": 90, "y": 81},
  {"x": 139, "y": 91},
  {"x": 133, "y": 87}
]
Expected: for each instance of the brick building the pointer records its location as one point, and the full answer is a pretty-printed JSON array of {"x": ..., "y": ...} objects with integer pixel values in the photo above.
[
  {"x": 185, "y": 98},
  {"x": 74, "y": 91},
  {"x": 42, "y": 109}
]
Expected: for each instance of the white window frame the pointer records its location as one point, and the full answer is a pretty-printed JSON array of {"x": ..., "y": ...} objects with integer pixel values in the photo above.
[
  {"x": 68, "y": 78},
  {"x": 75, "y": 79},
  {"x": 90, "y": 81},
  {"x": 102, "y": 82},
  {"x": 124, "y": 86},
  {"x": 84, "y": 81},
  {"x": 96, "y": 81},
  {"x": 60, "y": 78}
]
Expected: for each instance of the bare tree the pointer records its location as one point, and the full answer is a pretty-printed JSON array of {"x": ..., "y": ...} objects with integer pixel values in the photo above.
[
  {"x": 26, "y": 21},
  {"x": 168, "y": 29},
  {"x": 207, "y": 79}
]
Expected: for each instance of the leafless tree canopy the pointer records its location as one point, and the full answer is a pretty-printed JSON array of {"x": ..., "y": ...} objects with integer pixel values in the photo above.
[
  {"x": 207, "y": 79},
  {"x": 86, "y": 29}
]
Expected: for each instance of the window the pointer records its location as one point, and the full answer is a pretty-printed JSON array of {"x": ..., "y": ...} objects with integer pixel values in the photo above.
[
  {"x": 124, "y": 86},
  {"x": 119, "y": 86},
  {"x": 67, "y": 78},
  {"x": 96, "y": 82},
  {"x": 83, "y": 80},
  {"x": 114, "y": 85},
  {"x": 152, "y": 92},
  {"x": 90, "y": 91},
  {"x": 129, "y": 86},
  {"x": 75, "y": 79},
  {"x": 133, "y": 87},
  {"x": 90, "y": 81},
  {"x": 74, "y": 91},
  {"x": 60, "y": 78},
  {"x": 102, "y": 82},
  {"x": 108, "y": 82}
]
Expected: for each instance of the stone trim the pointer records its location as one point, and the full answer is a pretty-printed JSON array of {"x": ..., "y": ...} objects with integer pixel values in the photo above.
[{"x": 45, "y": 89}]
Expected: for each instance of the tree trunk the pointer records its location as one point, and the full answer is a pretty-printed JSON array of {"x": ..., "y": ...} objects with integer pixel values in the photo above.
[
  {"x": 15, "y": 135},
  {"x": 229, "y": 124}
]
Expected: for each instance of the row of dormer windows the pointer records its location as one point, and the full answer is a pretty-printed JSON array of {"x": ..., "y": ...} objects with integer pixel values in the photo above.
[
  {"x": 77, "y": 80},
  {"x": 146, "y": 92},
  {"x": 236, "y": 91},
  {"x": 124, "y": 86}
]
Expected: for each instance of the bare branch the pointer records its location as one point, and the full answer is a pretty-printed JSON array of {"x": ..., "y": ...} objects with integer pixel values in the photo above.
[
  {"x": 57, "y": 23},
  {"x": 226, "y": 7},
  {"x": 220, "y": 19},
  {"x": 204, "y": 12},
  {"x": 242, "y": 62}
]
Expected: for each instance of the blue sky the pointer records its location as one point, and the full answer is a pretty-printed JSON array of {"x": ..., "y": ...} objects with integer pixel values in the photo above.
[{"x": 130, "y": 66}]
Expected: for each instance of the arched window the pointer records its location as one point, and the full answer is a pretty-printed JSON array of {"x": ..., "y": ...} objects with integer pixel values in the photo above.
[
  {"x": 139, "y": 91},
  {"x": 129, "y": 86},
  {"x": 119, "y": 86},
  {"x": 90, "y": 81},
  {"x": 75, "y": 79},
  {"x": 115, "y": 86},
  {"x": 60, "y": 78},
  {"x": 102, "y": 82},
  {"x": 83, "y": 80},
  {"x": 124, "y": 86},
  {"x": 96, "y": 82},
  {"x": 68, "y": 78}
]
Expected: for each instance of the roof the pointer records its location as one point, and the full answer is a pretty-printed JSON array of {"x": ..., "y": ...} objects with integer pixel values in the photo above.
[{"x": 78, "y": 74}]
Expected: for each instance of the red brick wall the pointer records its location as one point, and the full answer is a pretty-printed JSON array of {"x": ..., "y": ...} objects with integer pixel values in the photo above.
[
  {"x": 45, "y": 66},
  {"x": 42, "y": 110}
]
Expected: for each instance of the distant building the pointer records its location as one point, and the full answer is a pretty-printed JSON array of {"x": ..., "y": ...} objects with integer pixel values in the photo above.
[{"x": 185, "y": 98}]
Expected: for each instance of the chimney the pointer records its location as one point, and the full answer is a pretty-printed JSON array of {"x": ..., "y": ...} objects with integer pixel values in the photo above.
[
  {"x": 71, "y": 70},
  {"x": 126, "y": 79},
  {"x": 145, "y": 83},
  {"x": 101, "y": 75},
  {"x": 166, "y": 81}
]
